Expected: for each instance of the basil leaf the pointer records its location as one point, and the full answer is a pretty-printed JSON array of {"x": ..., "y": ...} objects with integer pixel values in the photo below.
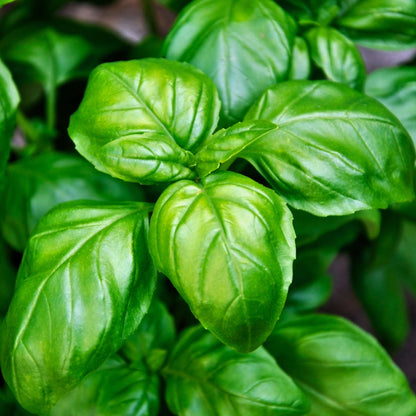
[
  {"x": 175, "y": 5},
  {"x": 153, "y": 339},
  {"x": 35, "y": 185},
  {"x": 7, "y": 278},
  {"x": 45, "y": 55},
  {"x": 337, "y": 56},
  {"x": 113, "y": 389},
  {"x": 404, "y": 261},
  {"x": 225, "y": 145},
  {"x": 223, "y": 40},
  {"x": 309, "y": 228},
  {"x": 396, "y": 89},
  {"x": 75, "y": 301},
  {"x": 9, "y": 101},
  {"x": 312, "y": 285},
  {"x": 204, "y": 377},
  {"x": 377, "y": 284},
  {"x": 335, "y": 151},
  {"x": 342, "y": 370},
  {"x": 3, "y": 2},
  {"x": 384, "y": 24},
  {"x": 138, "y": 117},
  {"x": 227, "y": 245},
  {"x": 300, "y": 67}
]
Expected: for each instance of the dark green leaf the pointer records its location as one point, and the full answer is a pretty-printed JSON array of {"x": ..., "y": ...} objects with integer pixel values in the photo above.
[
  {"x": 337, "y": 56},
  {"x": 3, "y": 2},
  {"x": 7, "y": 278},
  {"x": 227, "y": 245},
  {"x": 84, "y": 285},
  {"x": 307, "y": 11},
  {"x": 342, "y": 370},
  {"x": 300, "y": 67},
  {"x": 115, "y": 389},
  {"x": 205, "y": 378},
  {"x": 396, "y": 89},
  {"x": 35, "y": 185},
  {"x": 175, "y": 5},
  {"x": 335, "y": 151},
  {"x": 244, "y": 46},
  {"x": 312, "y": 286},
  {"x": 9, "y": 101},
  {"x": 153, "y": 339},
  {"x": 138, "y": 117},
  {"x": 404, "y": 260},
  {"x": 46, "y": 56},
  {"x": 376, "y": 282},
  {"x": 384, "y": 24},
  {"x": 309, "y": 228}
]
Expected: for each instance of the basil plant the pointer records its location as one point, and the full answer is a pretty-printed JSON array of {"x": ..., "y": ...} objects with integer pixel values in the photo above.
[{"x": 184, "y": 251}]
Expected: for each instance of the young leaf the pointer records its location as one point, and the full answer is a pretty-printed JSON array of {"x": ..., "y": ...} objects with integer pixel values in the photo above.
[
  {"x": 337, "y": 56},
  {"x": 35, "y": 185},
  {"x": 138, "y": 119},
  {"x": 205, "y": 378},
  {"x": 384, "y": 24},
  {"x": 300, "y": 67},
  {"x": 113, "y": 389},
  {"x": 244, "y": 46},
  {"x": 335, "y": 151},
  {"x": 227, "y": 245},
  {"x": 396, "y": 89},
  {"x": 9, "y": 101},
  {"x": 342, "y": 370},
  {"x": 153, "y": 339},
  {"x": 84, "y": 285}
]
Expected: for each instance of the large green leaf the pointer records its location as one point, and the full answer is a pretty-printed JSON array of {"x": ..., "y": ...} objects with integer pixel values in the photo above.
[
  {"x": 337, "y": 56},
  {"x": 35, "y": 185},
  {"x": 153, "y": 339},
  {"x": 138, "y": 119},
  {"x": 342, "y": 370},
  {"x": 114, "y": 389},
  {"x": 84, "y": 284},
  {"x": 396, "y": 89},
  {"x": 227, "y": 244},
  {"x": 335, "y": 151},
  {"x": 384, "y": 24},
  {"x": 9, "y": 100},
  {"x": 244, "y": 46},
  {"x": 205, "y": 378}
]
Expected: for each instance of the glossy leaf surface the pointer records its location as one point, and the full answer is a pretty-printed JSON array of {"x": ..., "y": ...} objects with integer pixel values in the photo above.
[
  {"x": 300, "y": 67},
  {"x": 138, "y": 119},
  {"x": 396, "y": 89},
  {"x": 337, "y": 56},
  {"x": 35, "y": 185},
  {"x": 205, "y": 377},
  {"x": 9, "y": 100},
  {"x": 153, "y": 339},
  {"x": 335, "y": 151},
  {"x": 75, "y": 302},
  {"x": 227, "y": 245},
  {"x": 224, "y": 39},
  {"x": 115, "y": 389},
  {"x": 342, "y": 370},
  {"x": 384, "y": 24}
]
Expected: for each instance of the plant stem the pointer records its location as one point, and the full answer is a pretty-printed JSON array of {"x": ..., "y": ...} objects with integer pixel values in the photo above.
[
  {"x": 26, "y": 127},
  {"x": 150, "y": 17},
  {"x": 51, "y": 108}
]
